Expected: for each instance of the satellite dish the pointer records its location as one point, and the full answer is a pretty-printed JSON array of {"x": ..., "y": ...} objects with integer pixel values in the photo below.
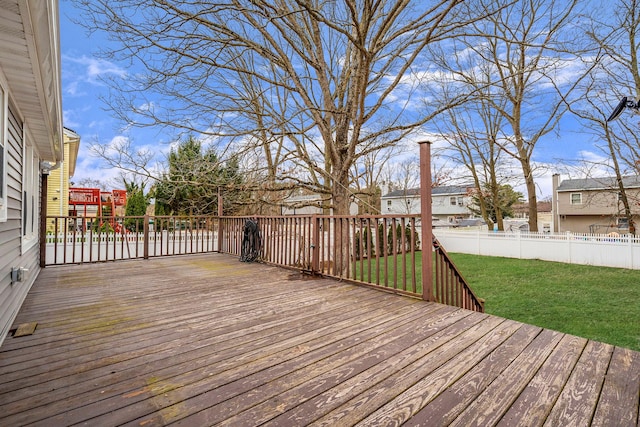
[{"x": 618, "y": 110}]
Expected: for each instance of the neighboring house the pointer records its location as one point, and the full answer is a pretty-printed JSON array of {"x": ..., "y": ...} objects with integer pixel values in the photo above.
[
  {"x": 404, "y": 202},
  {"x": 31, "y": 140},
  {"x": 309, "y": 204},
  {"x": 520, "y": 219},
  {"x": 449, "y": 204},
  {"x": 58, "y": 182},
  {"x": 593, "y": 205}
]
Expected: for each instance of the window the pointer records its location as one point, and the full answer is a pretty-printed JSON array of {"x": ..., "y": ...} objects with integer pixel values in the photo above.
[
  {"x": 3, "y": 152},
  {"x": 576, "y": 198},
  {"x": 460, "y": 201},
  {"x": 30, "y": 201},
  {"x": 453, "y": 201}
]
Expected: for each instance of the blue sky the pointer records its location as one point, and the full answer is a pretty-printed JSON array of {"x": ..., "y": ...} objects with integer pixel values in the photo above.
[
  {"x": 82, "y": 88},
  {"x": 83, "y": 111}
]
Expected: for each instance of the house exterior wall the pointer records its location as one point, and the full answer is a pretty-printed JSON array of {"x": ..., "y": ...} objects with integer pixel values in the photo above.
[
  {"x": 446, "y": 207},
  {"x": 13, "y": 250},
  {"x": 598, "y": 224},
  {"x": 58, "y": 191},
  {"x": 593, "y": 202},
  {"x": 597, "y": 212},
  {"x": 30, "y": 139},
  {"x": 408, "y": 205}
]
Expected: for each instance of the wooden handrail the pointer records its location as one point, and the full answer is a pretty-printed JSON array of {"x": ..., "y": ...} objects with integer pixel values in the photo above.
[{"x": 451, "y": 287}]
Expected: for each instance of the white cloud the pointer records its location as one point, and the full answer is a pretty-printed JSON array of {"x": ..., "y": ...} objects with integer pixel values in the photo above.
[
  {"x": 89, "y": 166},
  {"x": 147, "y": 106},
  {"x": 68, "y": 119},
  {"x": 94, "y": 68}
]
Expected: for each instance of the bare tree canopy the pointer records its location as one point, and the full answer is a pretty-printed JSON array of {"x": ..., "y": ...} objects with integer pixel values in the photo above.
[
  {"x": 617, "y": 35},
  {"x": 310, "y": 85},
  {"x": 523, "y": 64}
]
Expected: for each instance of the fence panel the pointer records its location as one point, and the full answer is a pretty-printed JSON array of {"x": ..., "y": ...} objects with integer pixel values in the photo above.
[{"x": 574, "y": 248}]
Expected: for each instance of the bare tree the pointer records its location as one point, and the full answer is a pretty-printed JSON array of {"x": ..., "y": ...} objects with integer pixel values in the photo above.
[
  {"x": 313, "y": 83},
  {"x": 368, "y": 175},
  {"x": 617, "y": 35},
  {"x": 472, "y": 133},
  {"x": 92, "y": 183},
  {"x": 535, "y": 66}
]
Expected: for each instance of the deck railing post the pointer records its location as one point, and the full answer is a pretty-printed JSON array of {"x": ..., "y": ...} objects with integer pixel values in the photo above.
[
  {"x": 145, "y": 236},
  {"x": 425, "y": 219},
  {"x": 315, "y": 245},
  {"x": 220, "y": 213}
]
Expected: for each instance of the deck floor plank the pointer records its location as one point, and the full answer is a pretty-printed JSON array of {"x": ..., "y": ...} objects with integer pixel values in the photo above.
[
  {"x": 207, "y": 340},
  {"x": 351, "y": 396},
  {"x": 458, "y": 396},
  {"x": 534, "y": 403},
  {"x": 288, "y": 391},
  {"x": 577, "y": 402},
  {"x": 495, "y": 399},
  {"x": 619, "y": 397}
]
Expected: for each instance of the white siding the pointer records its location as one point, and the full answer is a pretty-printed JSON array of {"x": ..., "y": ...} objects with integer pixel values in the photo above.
[{"x": 13, "y": 294}]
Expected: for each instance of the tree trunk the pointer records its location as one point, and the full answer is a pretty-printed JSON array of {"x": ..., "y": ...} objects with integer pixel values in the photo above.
[
  {"x": 342, "y": 241},
  {"x": 527, "y": 172},
  {"x": 531, "y": 196}
]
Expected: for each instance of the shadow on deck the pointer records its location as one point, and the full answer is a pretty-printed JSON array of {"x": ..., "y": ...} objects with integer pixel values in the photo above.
[{"x": 207, "y": 340}]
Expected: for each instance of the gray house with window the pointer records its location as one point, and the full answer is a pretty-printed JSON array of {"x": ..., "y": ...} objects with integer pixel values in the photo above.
[
  {"x": 31, "y": 141},
  {"x": 594, "y": 205},
  {"x": 449, "y": 203}
]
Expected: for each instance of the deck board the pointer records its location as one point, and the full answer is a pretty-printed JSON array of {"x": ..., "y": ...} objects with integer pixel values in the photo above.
[{"x": 207, "y": 340}]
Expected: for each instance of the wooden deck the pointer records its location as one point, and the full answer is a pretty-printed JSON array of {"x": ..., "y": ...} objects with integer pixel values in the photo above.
[{"x": 207, "y": 340}]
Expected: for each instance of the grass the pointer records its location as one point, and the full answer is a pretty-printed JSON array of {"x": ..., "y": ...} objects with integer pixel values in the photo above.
[{"x": 598, "y": 303}]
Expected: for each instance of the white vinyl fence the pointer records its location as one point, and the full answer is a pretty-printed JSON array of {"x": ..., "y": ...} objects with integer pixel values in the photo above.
[{"x": 590, "y": 249}]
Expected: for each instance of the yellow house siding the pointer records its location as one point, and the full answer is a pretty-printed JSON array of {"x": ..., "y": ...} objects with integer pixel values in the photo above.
[{"x": 58, "y": 183}]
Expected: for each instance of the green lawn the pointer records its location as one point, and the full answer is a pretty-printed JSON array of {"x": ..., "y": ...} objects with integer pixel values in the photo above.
[{"x": 592, "y": 302}]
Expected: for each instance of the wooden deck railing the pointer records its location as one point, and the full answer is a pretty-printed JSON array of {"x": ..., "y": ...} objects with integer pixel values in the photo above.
[
  {"x": 383, "y": 251},
  {"x": 78, "y": 240},
  {"x": 362, "y": 249},
  {"x": 449, "y": 285}
]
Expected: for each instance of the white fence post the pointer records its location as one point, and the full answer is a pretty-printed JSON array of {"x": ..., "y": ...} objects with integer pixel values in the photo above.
[{"x": 630, "y": 246}]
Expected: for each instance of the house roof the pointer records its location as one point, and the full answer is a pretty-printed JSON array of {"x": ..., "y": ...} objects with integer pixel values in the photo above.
[
  {"x": 603, "y": 183},
  {"x": 73, "y": 140},
  {"x": 30, "y": 61},
  {"x": 524, "y": 207},
  {"x": 441, "y": 190}
]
